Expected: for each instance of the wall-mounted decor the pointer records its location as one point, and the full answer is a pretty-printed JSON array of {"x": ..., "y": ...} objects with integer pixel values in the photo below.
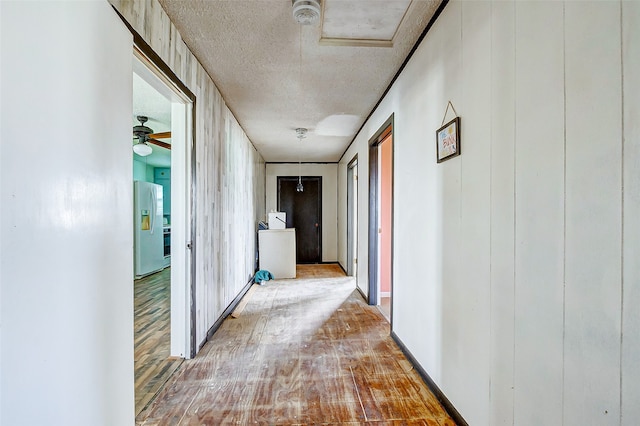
[
  {"x": 448, "y": 140},
  {"x": 448, "y": 137}
]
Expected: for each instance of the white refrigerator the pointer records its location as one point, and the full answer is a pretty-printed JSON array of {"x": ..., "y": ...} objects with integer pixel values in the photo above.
[{"x": 148, "y": 233}]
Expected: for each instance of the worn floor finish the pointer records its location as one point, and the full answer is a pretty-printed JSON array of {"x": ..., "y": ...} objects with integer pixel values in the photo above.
[
  {"x": 152, "y": 363},
  {"x": 305, "y": 351}
]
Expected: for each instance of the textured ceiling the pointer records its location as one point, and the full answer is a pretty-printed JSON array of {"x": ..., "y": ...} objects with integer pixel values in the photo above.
[
  {"x": 349, "y": 20},
  {"x": 276, "y": 75}
]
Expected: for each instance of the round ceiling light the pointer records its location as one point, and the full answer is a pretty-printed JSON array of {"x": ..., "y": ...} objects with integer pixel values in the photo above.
[
  {"x": 142, "y": 149},
  {"x": 306, "y": 12}
]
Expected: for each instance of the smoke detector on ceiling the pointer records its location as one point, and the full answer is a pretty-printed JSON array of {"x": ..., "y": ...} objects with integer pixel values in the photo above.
[{"x": 306, "y": 12}]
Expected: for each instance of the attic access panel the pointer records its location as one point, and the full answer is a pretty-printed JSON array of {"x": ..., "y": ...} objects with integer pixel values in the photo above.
[{"x": 362, "y": 23}]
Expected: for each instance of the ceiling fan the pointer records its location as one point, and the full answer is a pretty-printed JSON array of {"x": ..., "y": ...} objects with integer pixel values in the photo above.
[{"x": 146, "y": 136}]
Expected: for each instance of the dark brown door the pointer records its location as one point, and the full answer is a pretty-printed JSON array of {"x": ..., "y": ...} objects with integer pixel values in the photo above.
[{"x": 303, "y": 213}]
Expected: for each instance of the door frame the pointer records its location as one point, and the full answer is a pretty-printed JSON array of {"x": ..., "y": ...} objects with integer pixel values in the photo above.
[
  {"x": 374, "y": 201},
  {"x": 305, "y": 179},
  {"x": 183, "y": 297},
  {"x": 352, "y": 214}
]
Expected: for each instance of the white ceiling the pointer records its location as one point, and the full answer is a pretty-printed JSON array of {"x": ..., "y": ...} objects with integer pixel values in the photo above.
[{"x": 276, "y": 75}]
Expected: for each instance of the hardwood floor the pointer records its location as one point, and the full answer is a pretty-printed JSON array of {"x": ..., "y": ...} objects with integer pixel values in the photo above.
[
  {"x": 385, "y": 307},
  {"x": 329, "y": 270},
  {"x": 303, "y": 351},
  {"x": 152, "y": 364}
]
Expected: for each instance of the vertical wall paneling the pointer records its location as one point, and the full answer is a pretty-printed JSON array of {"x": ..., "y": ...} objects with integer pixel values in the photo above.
[
  {"x": 473, "y": 287},
  {"x": 530, "y": 270},
  {"x": 229, "y": 172},
  {"x": 631, "y": 214},
  {"x": 502, "y": 211},
  {"x": 415, "y": 149},
  {"x": 593, "y": 214},
  {"x": 539, "y": 212},
  {"x": 447, "y": 200}
]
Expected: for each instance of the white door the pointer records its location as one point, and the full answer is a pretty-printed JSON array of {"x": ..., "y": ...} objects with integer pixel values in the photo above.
[{"x": 67, "y": 236}]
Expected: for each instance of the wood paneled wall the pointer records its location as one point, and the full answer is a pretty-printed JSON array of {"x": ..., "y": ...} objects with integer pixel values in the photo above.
[
  {"x": 516, "y": 264},
  {"x": 229, "y": 179}
]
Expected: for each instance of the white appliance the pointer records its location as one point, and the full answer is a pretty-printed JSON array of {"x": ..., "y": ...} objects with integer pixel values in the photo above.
[
  {"x": 277, "y": 220},
  {"x": 148, "y": 237},
  {"x": 277, "y": 249}
]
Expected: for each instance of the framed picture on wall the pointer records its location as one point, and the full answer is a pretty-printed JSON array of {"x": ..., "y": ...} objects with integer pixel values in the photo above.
[{"x": 448, "y": 140}]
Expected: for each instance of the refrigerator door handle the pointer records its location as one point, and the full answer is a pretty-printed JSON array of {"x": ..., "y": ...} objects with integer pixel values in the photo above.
[{"x": 152, "y": 194}]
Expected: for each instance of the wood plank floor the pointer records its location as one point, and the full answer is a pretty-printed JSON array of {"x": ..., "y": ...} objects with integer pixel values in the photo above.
[
  {"x": 152, "y": 326},
  {"x": 304, "y": 351},
  {"x": 385, "y": 307}
]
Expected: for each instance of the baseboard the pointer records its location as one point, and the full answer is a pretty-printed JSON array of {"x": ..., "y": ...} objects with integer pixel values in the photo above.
[
  {"x": 448, "y": 406},
  {"x": 364, "y": 296},
  {"x": 342, "y": 267},
  {"x": 216, "y": 325}
]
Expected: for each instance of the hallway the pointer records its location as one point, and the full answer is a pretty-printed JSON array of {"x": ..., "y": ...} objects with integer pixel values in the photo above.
[{"x": 304, "y": 351}]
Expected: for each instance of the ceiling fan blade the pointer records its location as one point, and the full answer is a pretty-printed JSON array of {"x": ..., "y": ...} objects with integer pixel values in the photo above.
[
  {"x": 161, "y": 135},
  {"x": 159, "y": 143}
]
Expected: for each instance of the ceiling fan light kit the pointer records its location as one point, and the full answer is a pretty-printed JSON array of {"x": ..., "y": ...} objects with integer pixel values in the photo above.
[
  {"x": 146, "y": 136},
  {"x": 142, "y": 149},
  {"x": 141, "y": 130},
  {"x": 306, "y": 12}
]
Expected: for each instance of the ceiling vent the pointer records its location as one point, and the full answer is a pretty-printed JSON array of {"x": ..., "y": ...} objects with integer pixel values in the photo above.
[{"x": 306, "y": 12}]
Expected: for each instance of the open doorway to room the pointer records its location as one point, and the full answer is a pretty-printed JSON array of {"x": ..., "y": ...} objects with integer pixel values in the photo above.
[
  {"x": 381, "y": 219},
  {"x": 162, "y": 172},
  {"x": 352, "y": 218}
]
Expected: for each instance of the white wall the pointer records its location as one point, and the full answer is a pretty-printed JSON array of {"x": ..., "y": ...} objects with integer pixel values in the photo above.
[
  {"x": 328, "y": 172},
  {"x": 631, "y": 212},
  {"x": 67, "y": 239},
  {"x": 516, "y": 264}
]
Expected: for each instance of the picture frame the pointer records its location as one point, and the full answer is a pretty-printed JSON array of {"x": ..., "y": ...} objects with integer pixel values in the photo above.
[{"x": 448, "y": 140}]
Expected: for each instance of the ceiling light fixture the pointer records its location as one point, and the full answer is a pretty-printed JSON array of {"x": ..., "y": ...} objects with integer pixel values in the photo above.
[
  {"x": 142, "y": 149},
  {"x": 306, "y": 12},
  {"x": 301, "y": 133}
]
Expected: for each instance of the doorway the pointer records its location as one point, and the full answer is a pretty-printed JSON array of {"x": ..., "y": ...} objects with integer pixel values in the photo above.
[
  {"x": 381, "y": 219},
  {"x": 352, "y": 218},
  {"x": 304, "y": 213},
  {"x": 163, "y": 317}
]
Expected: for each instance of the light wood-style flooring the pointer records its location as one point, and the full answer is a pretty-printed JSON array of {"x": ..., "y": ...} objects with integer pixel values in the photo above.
[
  {"x": 152, "y": 326},
  {"x": 385, "y": 307},
  {"x": 302, "y": 352}
]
